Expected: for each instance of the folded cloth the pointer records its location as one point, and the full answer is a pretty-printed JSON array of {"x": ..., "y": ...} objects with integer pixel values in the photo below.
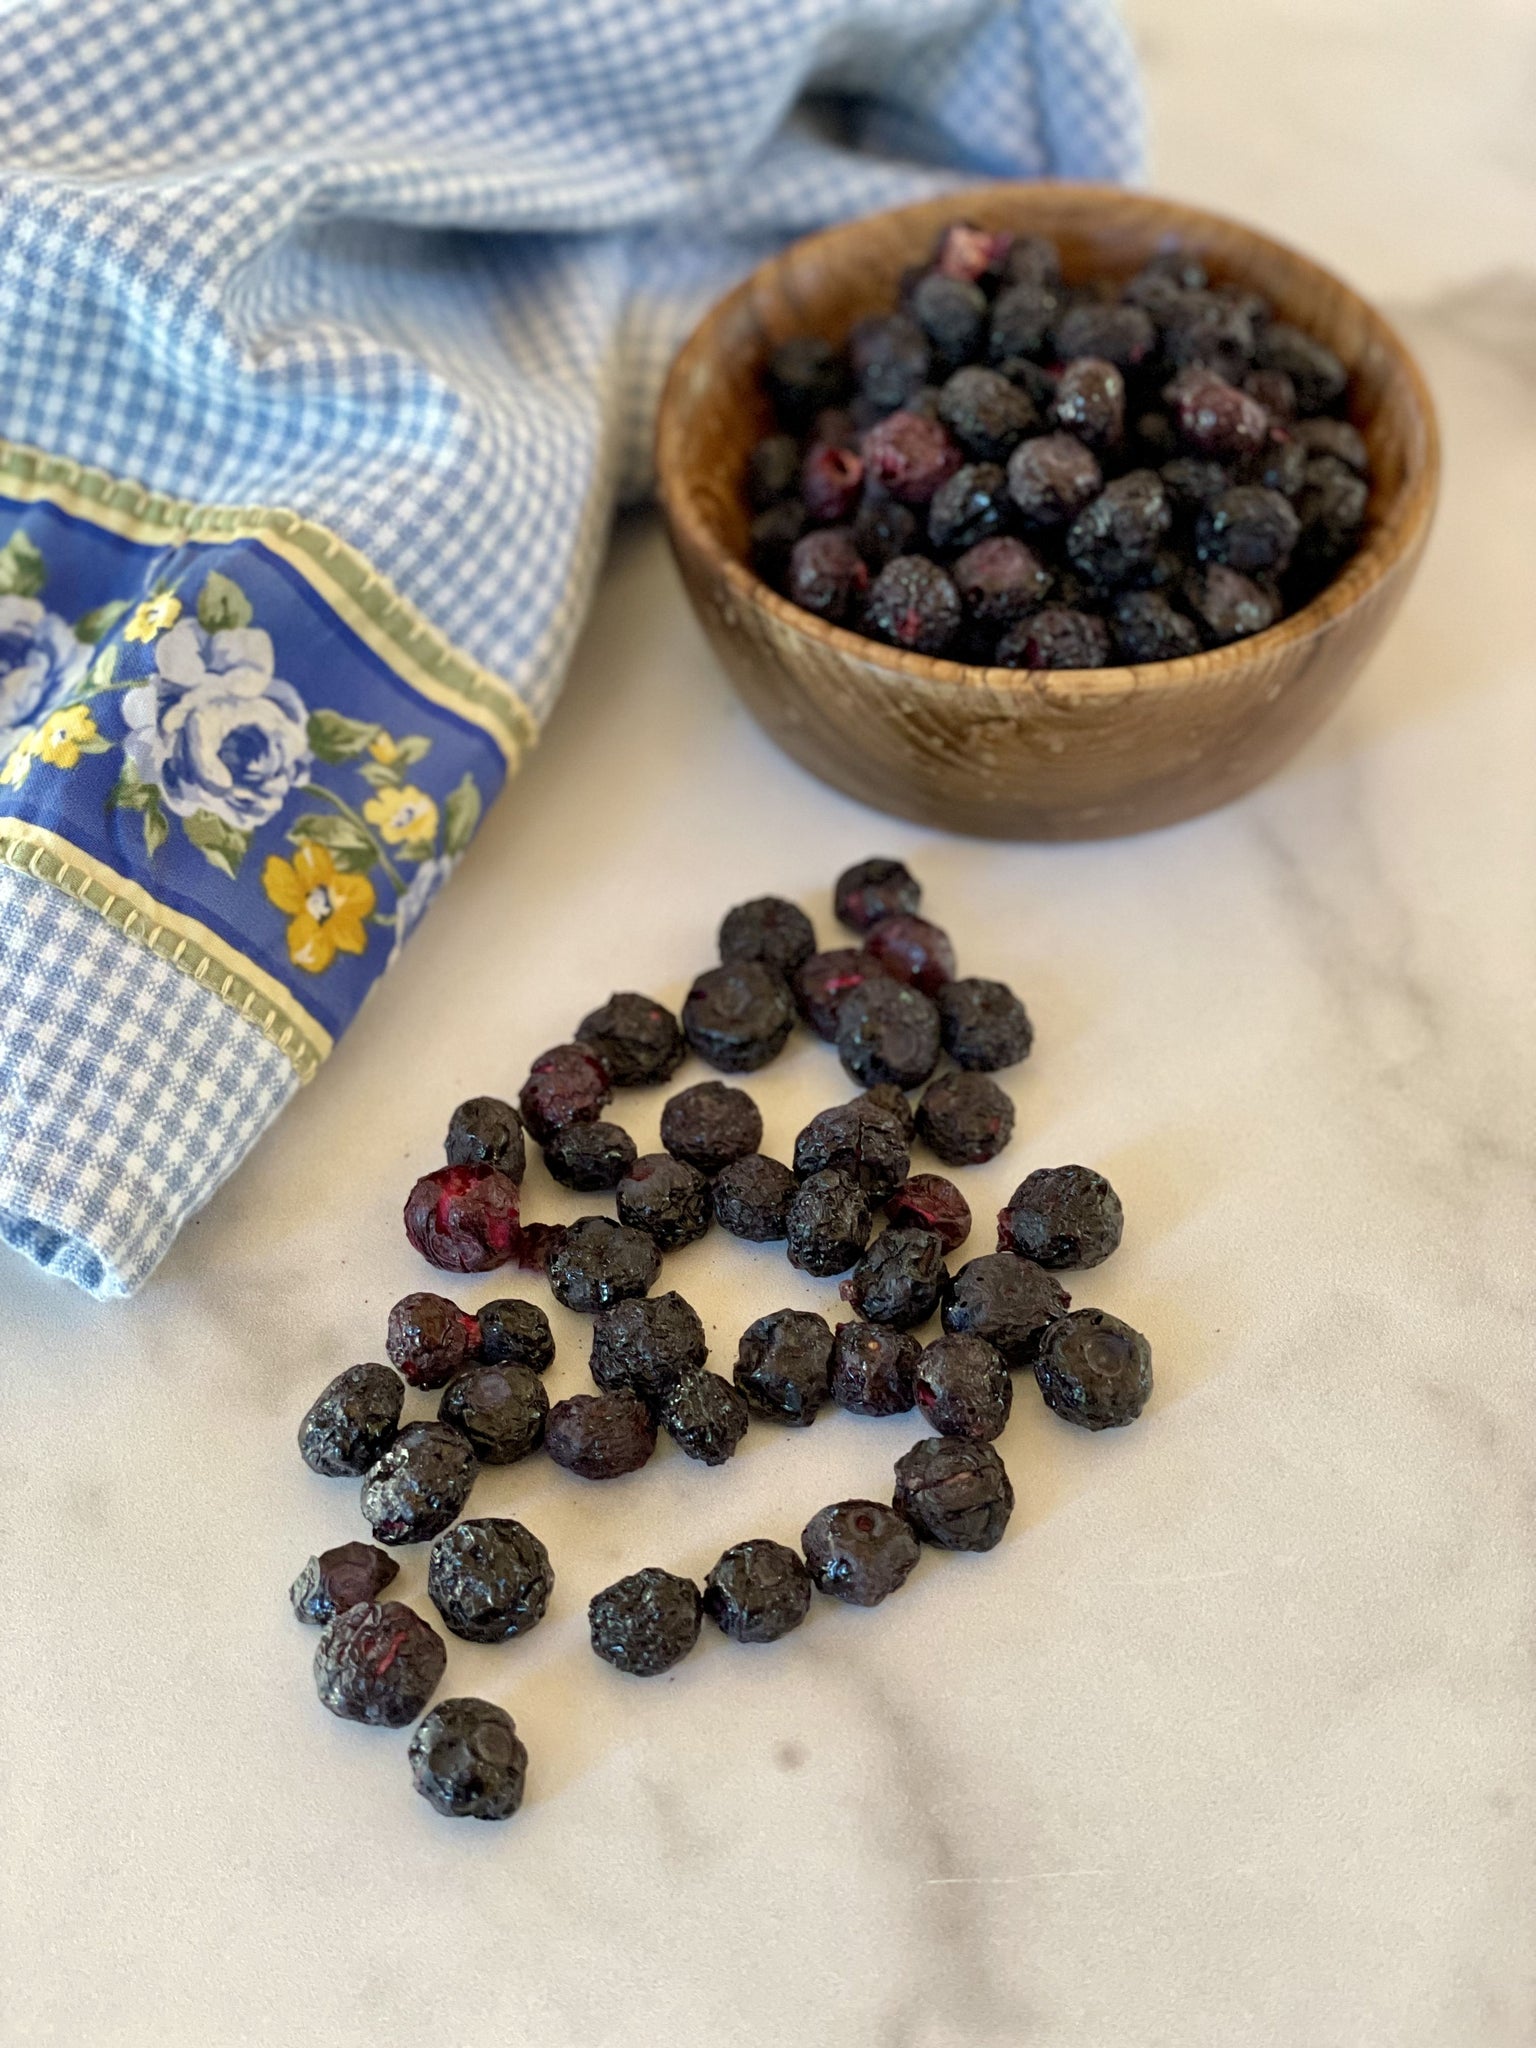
[{"x": 329, "y": 336}]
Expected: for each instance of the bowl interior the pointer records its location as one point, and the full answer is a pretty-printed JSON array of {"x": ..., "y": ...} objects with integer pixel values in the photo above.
[{"x": 715, "y": 410}]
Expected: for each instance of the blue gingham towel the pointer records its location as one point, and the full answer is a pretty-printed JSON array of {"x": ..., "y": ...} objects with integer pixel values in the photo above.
[{"x": 329, "y": 335}]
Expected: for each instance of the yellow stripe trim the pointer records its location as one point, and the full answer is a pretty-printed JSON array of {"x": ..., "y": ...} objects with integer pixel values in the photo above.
[{"x": 181, "y": 940}]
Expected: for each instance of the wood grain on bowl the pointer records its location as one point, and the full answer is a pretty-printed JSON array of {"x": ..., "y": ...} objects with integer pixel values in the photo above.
[{"x": 1039, "y": 754}]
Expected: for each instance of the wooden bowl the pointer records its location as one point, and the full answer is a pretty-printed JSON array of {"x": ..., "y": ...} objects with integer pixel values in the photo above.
[{"x": 1031, "y": 754}]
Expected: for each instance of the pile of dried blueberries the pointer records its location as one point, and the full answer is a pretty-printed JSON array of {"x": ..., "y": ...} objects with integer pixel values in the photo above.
[
  {"x": 896, "y": 1010},
  {"x": 1015, "y": 470}
]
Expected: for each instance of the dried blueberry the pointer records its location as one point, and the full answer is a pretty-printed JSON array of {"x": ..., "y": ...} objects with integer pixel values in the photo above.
[
  {"x": 824, "y": 981},
  {"x": 352, "y": 1422},
  {"x": 888, "y": 1032},
  {"x": 893, "y": 1100},
  {"x": 1337, "y": 438},
  {"x": 771, "y": 538},
  {"x": 419, "y": 1485},
  {"x": 965, "y": 1118},
  {"x": 516, "y": 1333},
  {"x": 737, "y": 1018},
  {"x": 1095, "y": 1370},
  {"x": 341, "y": 1578},
  {"x": 463, "y": 1218},
  {"x": 1249, "y": 528},
  {"x": 890, "y": 359},
  {"x": 1000, "y": 582},
  {"x": 758, "y": 1591},
  {"x": 1061, "y": 1216},
  {"x": 830, "y": 481},
  {"x": 899, "y": 1279},
  {"x": 638, "y": 1041},
  {"x": 646, "y": 1345},
  {"x": 873, "y": 1369},
  {"x": 430, "y": 1338},
  {"x": 1318, "y": 376},
  {"x": 645, "y": 1624},
  {"x": 826, "y": 574},
  {"x": 1022, "y": 317},
  {"x": 711, "y": 1124},
  {"x": 970, "y": 508},
  {"x": 468, "y": 1761},
  {"x": 1114, "y": 540},
  {"x": 1147, "y": 628},
  {"x": 378, "y": 1664},
  {"x": 499, "y": 1408},
  {"x": 1228, "y": 604},
  {"x": 859, "y": 1138},
  {"x": 987, "y": 415},
  {"x": 490, "y": 1579},
  {"x": 882, "y": 529},
  {"x": 964, "y": 1388},
  {"x": 955, "y": 1493},
  {"x": 1331, "y": 505},
  {"x": 599, "y": 1262},
  {"x": 912, "y": 950},
  {"x": 704, "y": 1416},
  {"x": 768, "y": 929},
  {"x": 487, "y": 1132},
  {"x": 1090, "y": 402},
  {"x": 1008, "y": 1300},
  {"x": 909, "y": 456},
  {"x": 600, "y": 1436},
  {"x": 1213, "y": 417},
  {"x": 930, "y": 1202},
  {"x": 1052, "y": 478},
  {"x": 667, "y": 1197},
  {"x": 1118, "y": 334},
  {"x": 873, "y": 889},
  {"x": 1056, "y": 636},
  {"x": 828, "y": 1223},
  {"x": 952, "y": 313},
  {"x": 983, "y": 1025},
  {"x": 566, "y": 1085},
  {"x": 783, "y": 1365},
  {"x": 859, "y": 1551},
  {"x": 773, "y": 470},
  {"x": 752, "y": 1198},
  {"x": 803, "y": 375},
  {"x": 913, "y": 604},
  {"x": 590, "y": 1157}
]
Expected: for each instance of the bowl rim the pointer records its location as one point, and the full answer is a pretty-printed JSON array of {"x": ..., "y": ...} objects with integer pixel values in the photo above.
[{"x": 1397, "y": 534}]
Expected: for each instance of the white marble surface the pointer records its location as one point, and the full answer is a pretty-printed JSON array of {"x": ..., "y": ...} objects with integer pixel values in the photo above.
[{"x": 1233, "y": 1740}]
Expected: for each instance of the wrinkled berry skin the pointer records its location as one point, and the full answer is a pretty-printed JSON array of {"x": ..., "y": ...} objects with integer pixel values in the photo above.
[
  {"x": 768, "y": 929},
  {"x": 893, "y": 1100},
  {"x": 1316, "y": 374},
  {"x": 826, "y": 574},
  {"x": 888, "y": 1032},
  {"x": 600, "y": 1436},
  {"x": 987, "y": 415},
  {"x": 927, "y": 1201},
  {"x": 758, "y": 1591},
  {"x": 1090, "y": 402},
  {"x": 858, "y": 1138},
  {"x": 490, "y": 1579},
  {"x": 912, "y": 950},
  {"x": 899, "y": 1280},
  {"x": 1061, "y": 1216},
  {"x": 1056, "y": 636},
  {"x": 1228, "y": 604},
  {"x": 913, "y": 604},
  {"x": 1008, "y": 1300},
  {"x": 500, "y": 1409},
  {"x": 909, "y": 456},
  {"x": 965, "y": 1119},
  {"x": 463, "y": 1218},
  {"x": 516, "y": 1333},
  {"x": 859, "y": 1551},
  {"x": 1114, "y": 540},
  {"x": 737, "y": 1018},
  {"x": 667, "y": 1198},
  {"x": 639, "y": 1041},
  {"x": 1000, "y": 582},
  {"x": 955, "y": 1492},
  {"x": 964, "y": 1388},
  {"x": 1095, "y": 1370},
  {"x": 704, "y": 1415},
  {"x": 1213, "y": 417},
  {"x": 566, "y": 1085},
  {"x": 646, "y": 1345},
  {"x": 828, "y": 1223},
  {"x": 872, "y": 889},
  {"x": 430, "y": 1339},
  {"x": 827, "y": 979},
  {"x": 468, "y": 1762},
  {"x": 645, "y": 1624},
  {"x": 970, "y": 509},
  {"x": 487, "y": 1132},
  {"x": 874, "y": 1369},
  {"x": 590, "y": 1157},
  {"x": 420, "y": 1484},
  {"x": 1248, "y": 528},
  {"x": 338, "y": 1579},
  {"x": 830, "y": 479},
  {"x": 378, "y": 1664},
  {"x": 982, "y": 1025},
  {"x": 1052, "y": 478},
  {"x": 599, "y": 1262},
  {"x": 752, "y": 1198},
  {"x": 711, "y": 1124},
  {"x": 1146, "y": 627},
  {"x": 352, "y": 1422},
  {"x": 783, "y": 1365}
]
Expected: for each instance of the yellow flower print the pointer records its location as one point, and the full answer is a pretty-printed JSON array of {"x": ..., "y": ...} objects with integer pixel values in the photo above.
[
  {"x": 18, "y": 762},
  {"x": 385, "y": 750},
  {"x": 402, "y": 815},
  {"x": 65, "y": 735},
  {"x": 154, "y": 615},
  {"x": 326, "y": 906}
]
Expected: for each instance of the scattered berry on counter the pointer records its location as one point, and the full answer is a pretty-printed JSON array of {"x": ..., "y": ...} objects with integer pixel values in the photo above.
[
  {"x": 589, "y": 1157},
  {"x": 888, "y": 1032},
  {"x": 667, "y": 1198},
  {"x": 341, "y": 1578},
  {"x": 758, "y": 1591},
  {"x": 861, "y": 1138},
  {"x": 752, "y": 1198},
  {"x": 566, "y": 1085},
  {"x": 352, "y": 1422},
  {"x": 420, "y": 1484},
  {"x": 599, "y": 1262},
  {"x": 430, "y": 1338},
  {"x": 711, "y": 1124},
  {"x": 873, "y": 889},
  {"x": 487, "y": 1132},
  {"x": 1061, "y": 1216},
  {"x": 464, "y": 1219},
  {"x": 646, "y": 1345},
  {"x": 501, "y": 1409},
  {"x": 638, "y": 1041},
  {"x": 874, "y": 1369},
  {"x": 489, "y": 1579},
  {"x": 737, "y": 1018},
  {"x": 468, "y": 1761},
  {"x": 828, "y": 1223},
  {"x": 927, "y": 1201},
  {"x": 600, "y": 1436},
  {"x": 827, "y": 979},
  {"x": 859, "y": 1551},
  {"x": 1094, "y": 1370},
  {"x": 378, "y": 1664},
  {"x": 955, "y": 1493},
  {"x": 964, "y": 1388},
  {"x": 1008, "y": 1300},
  {"x": 516, "y": 1333},
  {"x": 704, "y": 1415},
  {"x": 886, "y": 1095},
  {"x": 783, "y": 1365},
  {"x": 899, "y": 1280},
  {"x": 965, "y": 1118},
  {"x": 646, "y": 1623},
  {"x": 912, "y": 950},
  {"x": 768, "y": 929}
]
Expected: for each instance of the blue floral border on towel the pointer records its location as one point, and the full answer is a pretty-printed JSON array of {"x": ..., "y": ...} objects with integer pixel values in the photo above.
[{"x": 196, "y": 743}]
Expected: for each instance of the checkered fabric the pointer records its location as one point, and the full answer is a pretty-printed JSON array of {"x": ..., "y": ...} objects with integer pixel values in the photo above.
[{"x": 414, "y": 268}]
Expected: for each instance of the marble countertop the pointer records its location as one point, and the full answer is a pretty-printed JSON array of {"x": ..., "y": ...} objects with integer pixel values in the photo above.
[{"x": 1232, "y": 1740}]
